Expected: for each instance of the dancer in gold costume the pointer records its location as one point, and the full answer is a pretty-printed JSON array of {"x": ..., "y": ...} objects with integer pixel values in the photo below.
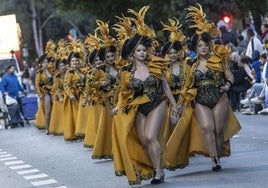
[{"x": 207, "y": 121}]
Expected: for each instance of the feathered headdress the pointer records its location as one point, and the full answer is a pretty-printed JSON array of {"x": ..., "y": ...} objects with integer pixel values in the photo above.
[
  {"x": 62, "y": 51},
  {"x": 124, "y": 29},
  {"x": 92, "y": 42},
  {"x": 201, "y": 23},
  {"x": 103, "y": 29},
  {"x": 141, "y": 27},
  {"x": 77, "y": 47},
  {"x": 50, "y": 49},
  {"x": 174, "y": 28}
]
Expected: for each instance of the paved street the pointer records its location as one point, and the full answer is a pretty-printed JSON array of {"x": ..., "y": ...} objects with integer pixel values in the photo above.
[{"x": 30, "y": 158}]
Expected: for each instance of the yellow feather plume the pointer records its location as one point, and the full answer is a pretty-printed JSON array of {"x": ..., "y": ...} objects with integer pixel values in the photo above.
[
  {"x": 124, "y": 28},
  {"x": 92, "y": 42},
  {"x": 174, "y": 28},
  {"x": 201, "y": 23},
  {"x": 141, "y": 27},
  {"x": 50, "y": 49},
  {"x": 103, "y": 29}
]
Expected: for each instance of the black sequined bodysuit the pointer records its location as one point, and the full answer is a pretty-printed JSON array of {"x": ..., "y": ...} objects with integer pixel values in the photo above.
[
  {"x": 208, "y": 86},
  {"x": 175, "y": 85},
  {"x": 150, "y": 87}
]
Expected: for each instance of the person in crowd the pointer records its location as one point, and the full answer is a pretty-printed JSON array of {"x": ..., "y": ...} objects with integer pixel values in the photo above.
[
  {"x": 226, "y": 36},
  {"x": 43, "y": 85},
  {"x": 90, "y": 97},
  {"x": 57, "y": 117},
  {"x": 241, "y": 45},
  {"x": 174, "y": 51},
  {"x": 105, "y": 79},
  {"x": 264, "y": 93},
  {"x": 244, "y": 32},
  {"x": 10, "y": 88},
  {"x": 10, "y": 84},
  {"x": 233, "y": 58},
  {"x": 257, "y": 93},
  {"x": 256, "y": 66},
  {"x": 140, "y": 108},
  {"x": 257, "y": 87},
  {"x": 264, "y": 32},
  {"x": 253, "y": 44},
  {"x": 207, "y": 121},
  {"x": 243, "y": 80},
  {"x": 73, "y": 84},
  {"x": 82, "y": 111}
]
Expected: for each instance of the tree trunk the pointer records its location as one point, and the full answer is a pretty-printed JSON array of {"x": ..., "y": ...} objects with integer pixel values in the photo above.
[{"x": 34, "y": 22}]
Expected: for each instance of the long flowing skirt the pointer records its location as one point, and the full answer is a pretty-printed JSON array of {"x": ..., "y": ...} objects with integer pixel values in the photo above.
[{"x": 56, "y": 126}]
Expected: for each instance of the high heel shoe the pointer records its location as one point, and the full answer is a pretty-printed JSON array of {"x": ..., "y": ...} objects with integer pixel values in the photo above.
[
  {"x": 217, "y": 165},
  {"x": 159, "y": 177}
]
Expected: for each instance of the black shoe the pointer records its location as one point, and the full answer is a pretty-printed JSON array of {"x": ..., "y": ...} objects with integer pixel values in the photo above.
[
  {"x": 216, "y": 168},
  {"x": 157, "y": 180},
  {"x": 22, "y": 124}
]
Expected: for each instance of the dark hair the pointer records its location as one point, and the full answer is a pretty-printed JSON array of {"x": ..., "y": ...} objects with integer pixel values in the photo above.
[
  {"x": 250, "y": 32},
  {"x": 75, "y": 55},
  {"x": 9, "y": 67},
  {"x": 171, "y": 45},
  {"x": 263, "y": 55},
  {"x": 138, "y": 39},
  {"x": 204, "y": 37},
  {"x": 59, "y": 61},
  {"x": 245, "y": 60},
  {"x": 103, "y": 51},
  {"x": 240, "y": 37},
  {"x": 255, "y": 55},
  {"x": 41, "y": 58},
  {"x": 265, "y": 25},
  {"x": 125, "y": 51},
  {"x": 92, "y": 56}
]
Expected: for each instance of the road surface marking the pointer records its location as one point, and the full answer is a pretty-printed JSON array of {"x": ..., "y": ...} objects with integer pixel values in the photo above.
[
  {"x": 14, "y": 163},
  {"x": 25, "y": 169},
  {"x": 28, "y": 171},
  {"x": 42, "y": 175},
  {"x": 8, "y": 158},
  {"x": 44, "y": 182},
  {"x": 18, "y": 167}
]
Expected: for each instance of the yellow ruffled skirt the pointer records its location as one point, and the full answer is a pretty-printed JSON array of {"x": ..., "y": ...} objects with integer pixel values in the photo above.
[
  {"x": 186, "y": 139},
  {"x": 57, "y": 119},
  {"x": 103, "y": 141},
  {"x": 92, "y": 123},
  {"x": 40, "y": 121},
  {"x": 70, "y": 109},
  {"x": 82, "y": 117}
]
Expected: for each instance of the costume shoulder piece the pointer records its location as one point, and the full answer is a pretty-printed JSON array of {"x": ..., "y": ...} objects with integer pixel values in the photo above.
[
  {"x": 220, "y": 56},
  {"x": 70, "y": 71},
  {"x": 57, "y": 75},
  {"x": 190, "y": 61},
  {"x": 102, "y": 67},
  {"x": 127, "y": 67},
  {"x": 40, "y": 71},
  {"x": 157, "y": 66}
]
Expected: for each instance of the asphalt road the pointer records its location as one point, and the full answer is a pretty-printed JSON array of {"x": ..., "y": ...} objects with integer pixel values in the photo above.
[{"x": 30, "y": 158}]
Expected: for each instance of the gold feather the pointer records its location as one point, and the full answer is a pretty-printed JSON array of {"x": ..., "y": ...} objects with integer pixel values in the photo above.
[
  {"x": 92, "y": 42},
  {"x": 141, "y": 27},
  {"x": 200, "y": 22},
  {"x": 103, "y": 29},
  {"x": 174, "y": 28},
  {"x": 124, "y": 28}
]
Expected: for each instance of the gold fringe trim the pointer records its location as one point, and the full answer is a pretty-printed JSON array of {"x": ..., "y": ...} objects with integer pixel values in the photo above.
[
  {"x": 139, "y": 178},
  {"x": 102, "y": 157}
]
